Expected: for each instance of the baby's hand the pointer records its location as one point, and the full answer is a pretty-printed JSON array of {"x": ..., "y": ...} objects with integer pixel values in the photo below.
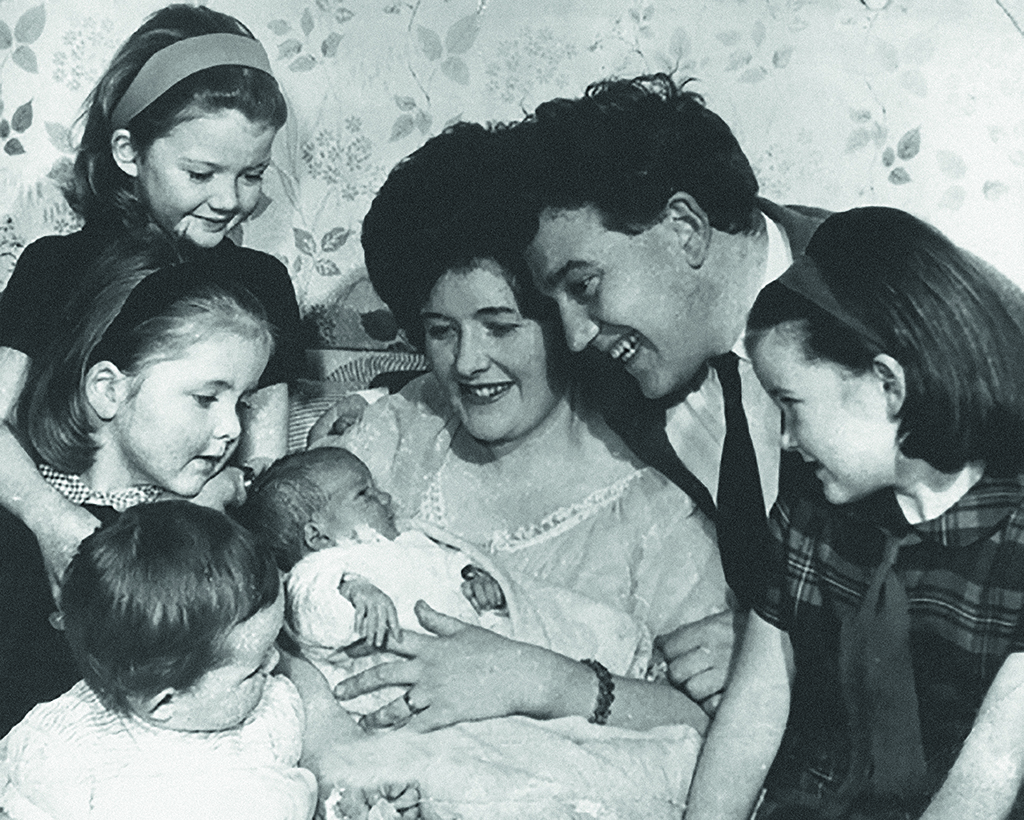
[
  {"x": 376, "y": 616},
  {"x": 386, "y": 802},
  {"x": 481, "y": 590}
]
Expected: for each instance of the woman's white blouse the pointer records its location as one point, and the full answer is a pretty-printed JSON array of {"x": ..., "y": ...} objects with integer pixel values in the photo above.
[{"x": 629, "y": 537}]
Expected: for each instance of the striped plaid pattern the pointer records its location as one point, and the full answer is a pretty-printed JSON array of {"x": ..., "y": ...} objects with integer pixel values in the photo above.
[{"x": 964, "y": 577}]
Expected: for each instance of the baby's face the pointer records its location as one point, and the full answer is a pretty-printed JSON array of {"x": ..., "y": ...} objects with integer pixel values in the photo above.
[{"x": 355, "y": 502}]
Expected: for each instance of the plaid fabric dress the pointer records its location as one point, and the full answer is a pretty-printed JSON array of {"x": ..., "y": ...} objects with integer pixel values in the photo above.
[{"x": 964, "y": 577}]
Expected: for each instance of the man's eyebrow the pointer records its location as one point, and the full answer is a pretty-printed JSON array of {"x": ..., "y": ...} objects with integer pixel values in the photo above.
[{"x": 551, "y": 281}]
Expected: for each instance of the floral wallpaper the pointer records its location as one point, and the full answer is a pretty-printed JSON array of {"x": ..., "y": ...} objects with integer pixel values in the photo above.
[{"x": 912, "y": 103}]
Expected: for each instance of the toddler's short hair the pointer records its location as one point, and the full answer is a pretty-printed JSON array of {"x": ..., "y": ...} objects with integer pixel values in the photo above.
[{"x": 149, "y": 600}]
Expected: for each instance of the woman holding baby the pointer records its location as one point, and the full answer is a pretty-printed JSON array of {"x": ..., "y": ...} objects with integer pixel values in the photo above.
[{"x": 495, "y": 448}]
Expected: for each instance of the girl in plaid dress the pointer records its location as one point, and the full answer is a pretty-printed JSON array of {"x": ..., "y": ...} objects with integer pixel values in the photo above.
[{"x": 881, "y": 672}]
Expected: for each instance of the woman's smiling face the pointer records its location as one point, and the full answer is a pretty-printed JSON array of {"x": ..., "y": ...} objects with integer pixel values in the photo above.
[{"x": 491, "y": 360}]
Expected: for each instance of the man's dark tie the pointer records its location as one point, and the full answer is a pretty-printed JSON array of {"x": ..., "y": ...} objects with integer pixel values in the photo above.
[
  {"x": 740, "y": 522},
  {"x": 739, "y": 514}
]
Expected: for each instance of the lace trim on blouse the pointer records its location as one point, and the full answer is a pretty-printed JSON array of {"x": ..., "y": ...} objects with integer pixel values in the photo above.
[{"x": 433, "y": 510}]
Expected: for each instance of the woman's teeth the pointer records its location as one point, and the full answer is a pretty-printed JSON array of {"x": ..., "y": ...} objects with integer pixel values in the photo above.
[
  {"x": 485, "y": 391},
  {"x": 625, "y": 348}
]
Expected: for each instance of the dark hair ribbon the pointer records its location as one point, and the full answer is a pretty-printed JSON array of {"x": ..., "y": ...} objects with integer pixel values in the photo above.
[
  {"x": 153, "y": 296},
  {"x": 804, "y": 278}
]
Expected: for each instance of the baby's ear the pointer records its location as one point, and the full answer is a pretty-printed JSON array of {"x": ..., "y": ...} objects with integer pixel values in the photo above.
[{"x": 314, "y": 538}]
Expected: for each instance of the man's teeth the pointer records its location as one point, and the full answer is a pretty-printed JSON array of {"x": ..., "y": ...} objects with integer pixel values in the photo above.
[
  {"x": 625, "y": 348},
  {"x": 486, "y": 391}
]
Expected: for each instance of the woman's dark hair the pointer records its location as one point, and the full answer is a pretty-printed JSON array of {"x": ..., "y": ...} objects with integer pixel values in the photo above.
[
  {"x": 149, "y": 600},
  {"x": 627, "y": 145},
  {"x": 100, "y": 191},
  {"x": 442, "y": 209},
  {"x": 200, "y": 299},
  {"x": 954, "y": 324}
]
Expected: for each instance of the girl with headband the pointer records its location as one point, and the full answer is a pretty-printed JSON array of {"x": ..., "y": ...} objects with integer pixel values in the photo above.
[
  {"x": 138, "y": 401},
  {"x": 136, "y": 398},
  {"x": 881, "y": 672},
  {"x": 177, "y": 134}
]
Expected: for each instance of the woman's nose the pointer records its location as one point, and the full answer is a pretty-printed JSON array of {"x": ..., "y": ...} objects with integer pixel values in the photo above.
[{"x": 471, "y": 356}]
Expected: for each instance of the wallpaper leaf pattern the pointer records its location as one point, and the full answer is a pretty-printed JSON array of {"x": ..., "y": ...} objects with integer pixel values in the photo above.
[{"x": 837, "y": 103}]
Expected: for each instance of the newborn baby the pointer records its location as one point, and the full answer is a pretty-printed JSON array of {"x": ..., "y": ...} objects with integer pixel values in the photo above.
[
  {"x": 334, "y": 531},
  {"x": 353, "y": 580}
]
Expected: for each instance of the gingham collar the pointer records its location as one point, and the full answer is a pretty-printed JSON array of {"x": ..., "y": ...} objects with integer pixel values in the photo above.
[{"x": 78, "y": 492}]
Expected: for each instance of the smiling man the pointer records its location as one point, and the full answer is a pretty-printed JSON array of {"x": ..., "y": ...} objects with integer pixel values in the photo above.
[{"x": 653, "y": 241}]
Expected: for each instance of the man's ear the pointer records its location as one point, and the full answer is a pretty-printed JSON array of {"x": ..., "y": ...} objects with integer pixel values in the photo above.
[
  {"x": 158, "y": 708},
  {"x": 123, "y": 151},
  {"x": 106, "y": 388},
  {"x": 691, "y": 223},
  {"x": 314, "y": 536},
  {"x": 894, "y": 382}
]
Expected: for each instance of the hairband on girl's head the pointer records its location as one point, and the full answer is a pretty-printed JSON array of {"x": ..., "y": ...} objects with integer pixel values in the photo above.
[
  {"x": 182, "y": 59},
  {"x": 151, "y": 297},
  {"x": 804, "y": 278}
]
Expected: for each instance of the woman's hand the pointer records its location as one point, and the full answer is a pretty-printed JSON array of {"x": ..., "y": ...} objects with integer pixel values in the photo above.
[
  {"x": 459, "y": 673},
  {"x": 699, "y": 656}
]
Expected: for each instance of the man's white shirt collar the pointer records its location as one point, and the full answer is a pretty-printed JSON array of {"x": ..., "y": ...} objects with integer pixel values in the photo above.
[
  {"x": 696, "y": 426},
  {"x": 780, "y": 257}
]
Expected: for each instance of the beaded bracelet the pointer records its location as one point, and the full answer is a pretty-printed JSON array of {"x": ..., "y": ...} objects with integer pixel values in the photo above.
[{"x": 605, "y": 692}]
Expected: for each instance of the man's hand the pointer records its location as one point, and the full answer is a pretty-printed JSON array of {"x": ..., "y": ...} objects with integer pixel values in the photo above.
[{"x": 700, "y": 655}]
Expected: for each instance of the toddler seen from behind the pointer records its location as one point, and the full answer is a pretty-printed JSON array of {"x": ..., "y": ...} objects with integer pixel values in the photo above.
[{"x": 172, "y": 613}]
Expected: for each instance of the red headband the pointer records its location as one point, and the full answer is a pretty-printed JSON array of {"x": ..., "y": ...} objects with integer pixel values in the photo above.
[{"x": 182, "y": 59}]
